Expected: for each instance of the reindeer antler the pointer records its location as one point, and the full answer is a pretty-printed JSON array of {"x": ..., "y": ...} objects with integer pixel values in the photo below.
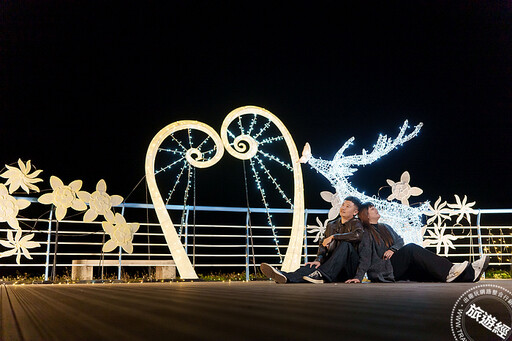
[{"x": 383, "y": 146}]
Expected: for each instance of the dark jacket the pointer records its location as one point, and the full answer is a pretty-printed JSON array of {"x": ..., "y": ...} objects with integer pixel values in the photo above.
[
  {"x": 370, "y": 256},
  {"x": 350, "y": 231}
]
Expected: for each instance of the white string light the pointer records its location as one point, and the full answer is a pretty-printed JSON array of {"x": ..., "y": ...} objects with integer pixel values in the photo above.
[
  {"x": 265, "y": 203},
  {"x": 274, "y": 181},
  {"x": 276, "y": 159}
]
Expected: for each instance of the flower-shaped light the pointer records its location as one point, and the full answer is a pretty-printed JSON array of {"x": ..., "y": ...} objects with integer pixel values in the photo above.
[
  {"x": 121, "y": 233},
  {"x": 439, "y": 239},
  {"x": 402, "y": 190},
  {"x": 100, "y": 203},
  {"x": 21, "y": 177},
  {"x": 63, "y": 197},
  {"x": 10, "y": 206},
  {"x": 438, "y": 212},
  {"x": 335, "y": 201},
  {"x": 320, "y": 229},
  {"x": 18, "y": 245},
  {"x": 462, "y": 209}
]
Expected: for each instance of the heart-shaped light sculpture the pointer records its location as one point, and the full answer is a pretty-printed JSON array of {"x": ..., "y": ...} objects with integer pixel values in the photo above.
[{"x": 243, "y": 147}]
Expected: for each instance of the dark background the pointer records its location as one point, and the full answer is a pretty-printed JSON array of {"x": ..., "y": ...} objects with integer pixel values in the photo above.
[{"x": 85, "y": 85}]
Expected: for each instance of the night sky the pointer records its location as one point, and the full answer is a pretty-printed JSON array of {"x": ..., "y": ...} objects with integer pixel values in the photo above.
[{"x": 85, "y": 85}]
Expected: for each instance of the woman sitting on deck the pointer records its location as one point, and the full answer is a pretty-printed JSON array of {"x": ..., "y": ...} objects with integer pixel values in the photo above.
[{"x": 384, "y": 258}]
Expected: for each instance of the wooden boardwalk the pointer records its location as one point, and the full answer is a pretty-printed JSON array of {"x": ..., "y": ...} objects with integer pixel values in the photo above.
[{"x": 230, "y": 311}]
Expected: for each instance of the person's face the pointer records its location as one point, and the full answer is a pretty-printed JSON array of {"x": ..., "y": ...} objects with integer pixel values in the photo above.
[
  {"x": 373, "y": 215},
  {"x": 348, "y": 210}
]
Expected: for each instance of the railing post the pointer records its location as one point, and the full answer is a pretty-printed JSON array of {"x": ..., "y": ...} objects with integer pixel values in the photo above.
[
  {"x": 247, "y": 246},
  {"x": 186, "y": 230},
  {"x": 119, "y": 267},
  {"x": 48, "y": 241},
  {"x": 305, "y": 236},
  {"x": 479, "y": 233}
]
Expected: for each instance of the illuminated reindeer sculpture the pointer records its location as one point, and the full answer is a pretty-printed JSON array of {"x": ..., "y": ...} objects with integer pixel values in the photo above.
[{"x": 404, "y": 219}]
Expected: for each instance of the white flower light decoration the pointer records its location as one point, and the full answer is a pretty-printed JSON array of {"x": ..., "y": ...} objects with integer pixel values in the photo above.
[
  {"x": 463, "y": 209},
  {"x": 334, "y": 200},
  {"x": 121, "y": 233},
  {"x": 320, "y": 229},
  {"x": 10, "y": 206},
  {"x": 438, "y": 212},
  {"x": 63, "y": 197},
  {"x": 21, "y": 177},
  {"x": 402, "y": 190},
  {"x": 439, "y": 239},
  {"x": 18, "y": 245},
  {"x": 100, "y": 203}
]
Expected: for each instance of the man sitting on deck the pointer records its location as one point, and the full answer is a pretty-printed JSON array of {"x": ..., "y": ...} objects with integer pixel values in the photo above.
[{"x": 337, "y": 258}]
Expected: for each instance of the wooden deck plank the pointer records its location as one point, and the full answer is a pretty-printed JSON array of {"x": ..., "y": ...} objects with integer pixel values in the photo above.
[{"x": 236, "y": 310}]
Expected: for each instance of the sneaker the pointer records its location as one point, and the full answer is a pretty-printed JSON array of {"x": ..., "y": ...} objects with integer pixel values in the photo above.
[
  {"x": 315, "y": 277},
  {"x": 480, "y": 266},
  {"x": 456, "y": 270},
  {"x": 272, "y": 273}
]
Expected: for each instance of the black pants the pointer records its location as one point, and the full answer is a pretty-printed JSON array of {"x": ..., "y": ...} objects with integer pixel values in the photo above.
[
  {"x": 338, "y": 267},
  {"x": 412, "y": 262}
]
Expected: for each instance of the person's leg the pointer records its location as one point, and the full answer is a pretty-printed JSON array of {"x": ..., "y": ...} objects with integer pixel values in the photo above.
[
  {"x": 416, "y": 263},
  {"x": 350, "y": 269},
  {"x": 286, "y": 277},
  {"x": 468, "y": 275},
  {"x": 296, "y": 276},
  {"x": 342, "y": 264}
]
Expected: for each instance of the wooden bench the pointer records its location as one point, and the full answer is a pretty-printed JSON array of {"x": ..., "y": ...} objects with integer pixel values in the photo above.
[{"x": 82, "y": 269}]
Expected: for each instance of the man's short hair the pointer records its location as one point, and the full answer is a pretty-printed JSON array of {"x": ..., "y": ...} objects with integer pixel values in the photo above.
[{"x": 355, "y": 201}]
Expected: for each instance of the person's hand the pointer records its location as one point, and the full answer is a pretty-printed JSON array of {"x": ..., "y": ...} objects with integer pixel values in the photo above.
[
  {"x": 353, "y": 280},
  {"x": 315, "y": 264},
  {"x": 388, "y": 254},
  {"x": 327, "y": 241}
]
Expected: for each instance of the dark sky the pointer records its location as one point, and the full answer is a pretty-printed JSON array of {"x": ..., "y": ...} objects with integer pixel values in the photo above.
[{"x": 85, "y": 85}]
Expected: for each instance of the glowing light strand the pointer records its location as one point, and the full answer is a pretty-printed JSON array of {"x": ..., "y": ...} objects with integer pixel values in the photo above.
[
  {"x": 185, "y": 199},
  {"x": 276, "y": 159},
  {"x": 203, "y": 142},
  {"x": 178, "y": 142},
  {"x": 169, "y": 166},
  {"x": 173, "y": 151},
  {"x": 253, "y": 122},
  {"x": 178, "y": 177},
  {"x": 240, "y": 125},
  {"x": 274, "y": 181},
  {"x": 265, "y": 203},
  {"x": 271, "y": 140},
  {"x": 262, "y": 130}
]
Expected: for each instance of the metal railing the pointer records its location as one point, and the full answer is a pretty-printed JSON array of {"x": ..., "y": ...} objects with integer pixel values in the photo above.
[{"x": 234, "y": 244}]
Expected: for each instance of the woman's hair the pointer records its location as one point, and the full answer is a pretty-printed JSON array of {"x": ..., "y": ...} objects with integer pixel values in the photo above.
[{"x": 384, "y": 236}]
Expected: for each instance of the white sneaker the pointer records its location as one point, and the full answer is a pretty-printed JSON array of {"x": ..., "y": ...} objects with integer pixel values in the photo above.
[
  {"x": 272, "y": 273},
  {"x": 456, "y": 270},
  {"x": 315, "y": 277},
  {"x": 480, "y": 266}
]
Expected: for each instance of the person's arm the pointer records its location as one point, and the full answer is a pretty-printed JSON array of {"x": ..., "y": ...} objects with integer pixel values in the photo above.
[
  {"x": 355, "y": 233},
  {"x": 320, "y": 255},
  {"x": 322, "y": 250},
  {"x": 365, "y": 255},
  {"x": 398, "y": 241}
]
